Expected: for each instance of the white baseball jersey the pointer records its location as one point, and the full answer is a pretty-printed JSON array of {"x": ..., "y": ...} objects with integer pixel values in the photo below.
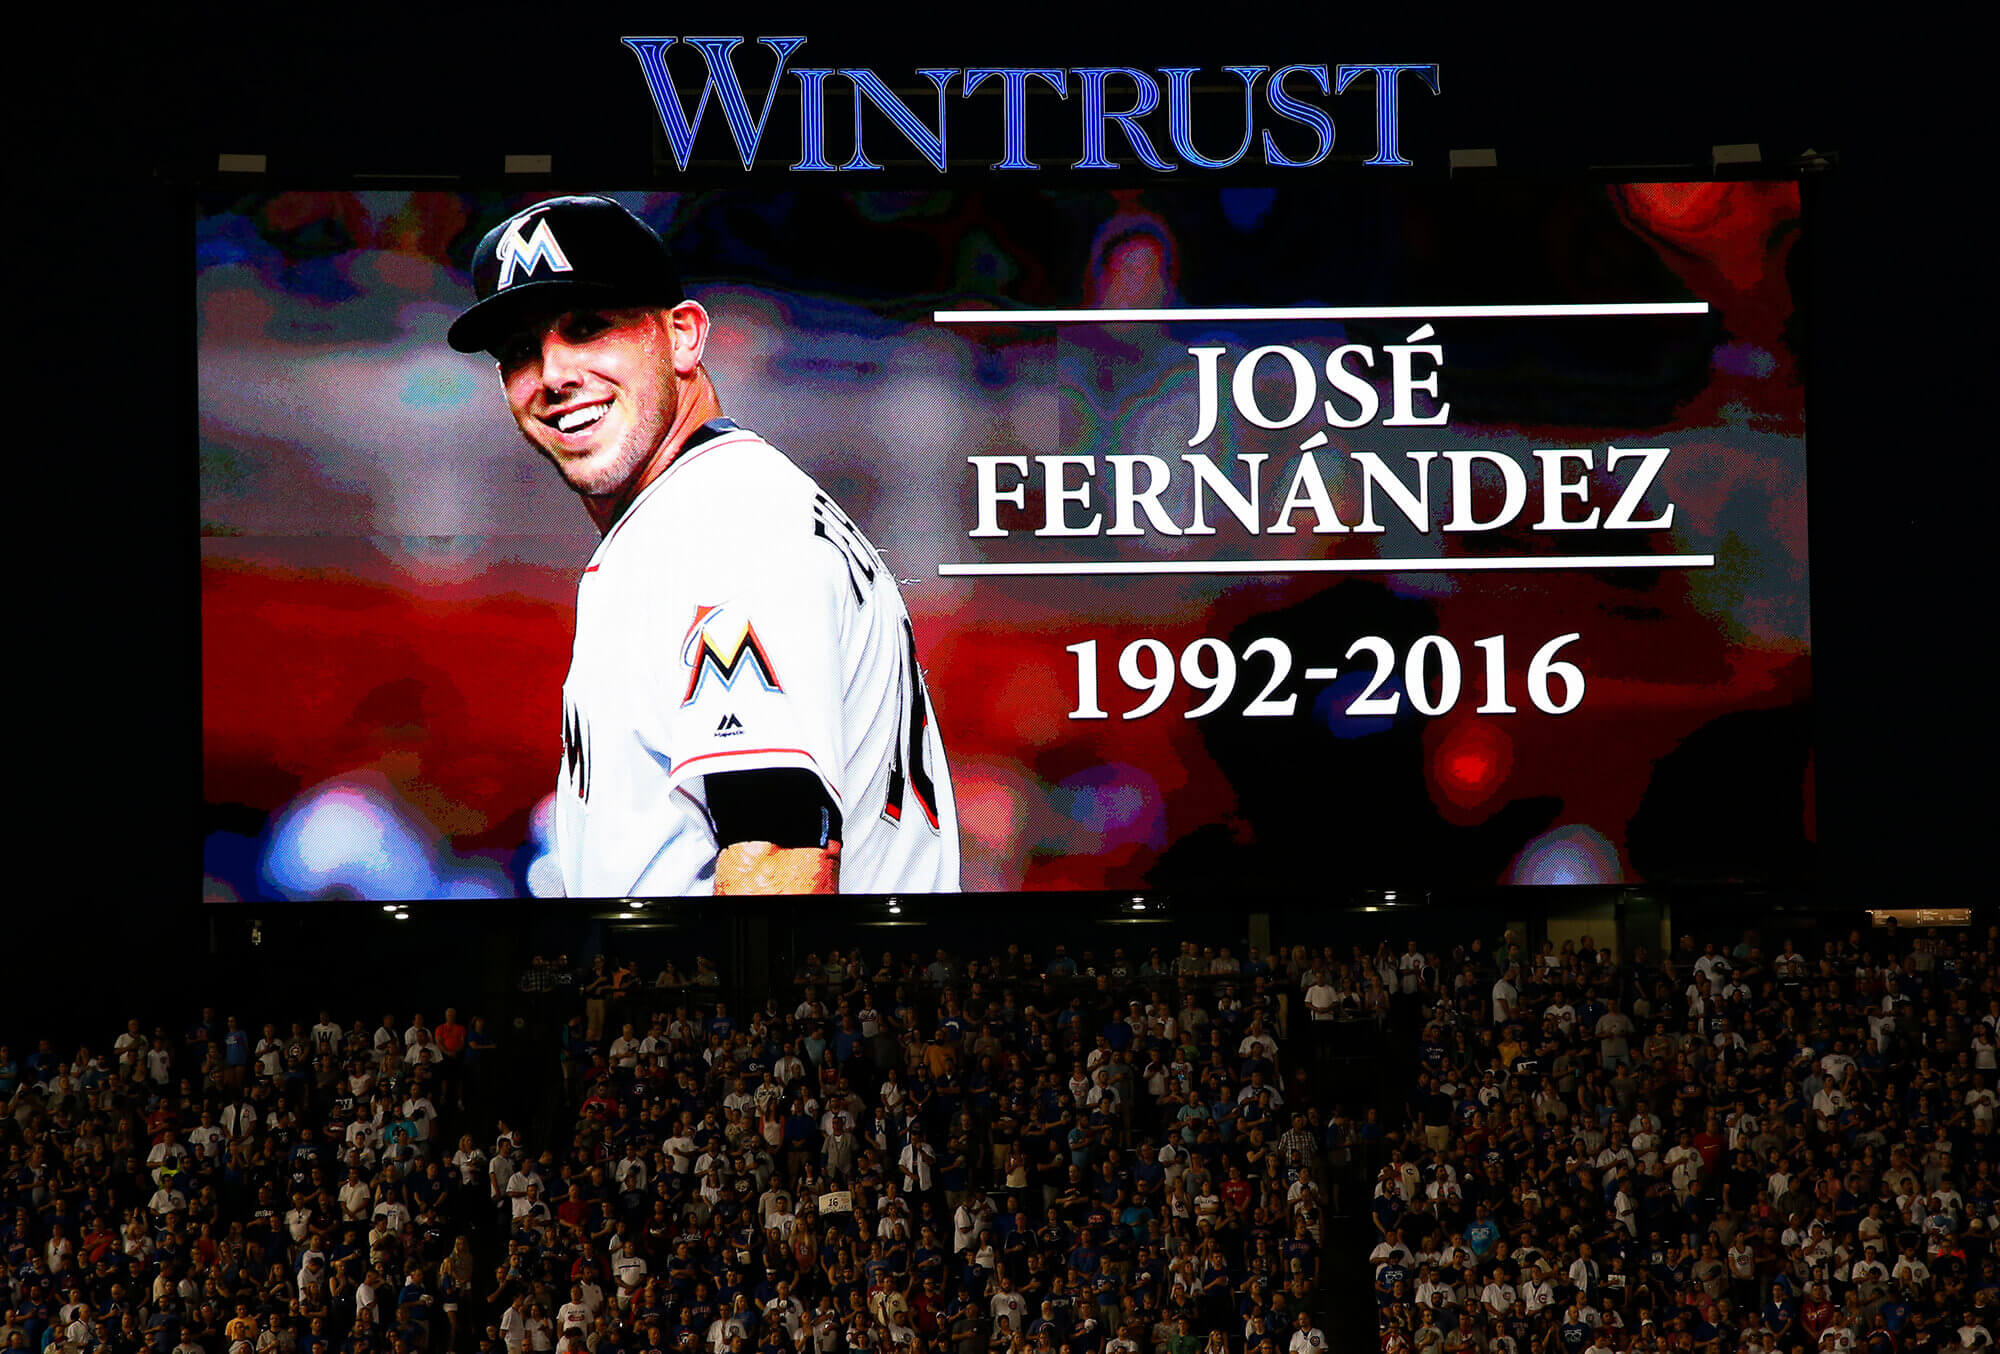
[{"x": 734, "y": 619}]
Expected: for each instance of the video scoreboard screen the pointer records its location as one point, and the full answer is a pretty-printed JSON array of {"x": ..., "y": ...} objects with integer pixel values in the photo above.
[{"x": 1251, "y": 538}]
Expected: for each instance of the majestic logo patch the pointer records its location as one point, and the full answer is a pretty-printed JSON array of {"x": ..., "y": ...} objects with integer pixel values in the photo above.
[
  {"x": 730, "y": 724},
  {"x": 726, "y": 653},
  {"x": 540, "y": 247}
]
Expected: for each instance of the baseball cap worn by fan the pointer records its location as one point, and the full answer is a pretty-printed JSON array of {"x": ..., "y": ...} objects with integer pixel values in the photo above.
[{"x": 564, "y": 251}]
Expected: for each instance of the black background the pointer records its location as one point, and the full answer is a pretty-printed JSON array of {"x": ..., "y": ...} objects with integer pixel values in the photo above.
[{"x": 105, "y": 649}]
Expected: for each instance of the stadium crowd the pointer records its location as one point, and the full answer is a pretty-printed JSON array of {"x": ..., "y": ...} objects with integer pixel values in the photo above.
[
  {"x": 1725, "y": 1148},
  {"x": 1005, "y": 1156},
  {"x": 1717, "y": 1149}
]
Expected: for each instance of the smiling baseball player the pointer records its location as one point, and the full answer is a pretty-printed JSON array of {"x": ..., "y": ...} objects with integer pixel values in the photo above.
[{"x": 744, "y": 710}]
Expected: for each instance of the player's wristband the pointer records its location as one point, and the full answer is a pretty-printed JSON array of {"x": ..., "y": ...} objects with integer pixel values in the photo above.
[{"x": 781, "y": 805}]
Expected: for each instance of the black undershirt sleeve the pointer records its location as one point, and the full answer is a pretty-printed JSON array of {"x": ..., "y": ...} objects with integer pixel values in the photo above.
[{"x": 782, "y": 805}]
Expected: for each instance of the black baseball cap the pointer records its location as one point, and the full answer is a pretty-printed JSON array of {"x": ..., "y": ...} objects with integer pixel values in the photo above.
[{"x": 574, "y": 250}]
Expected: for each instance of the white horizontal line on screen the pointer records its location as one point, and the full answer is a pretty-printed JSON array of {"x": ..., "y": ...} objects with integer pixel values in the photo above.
[
  {"x": 1325, "y": 566},
  {"x": 1224, "y": 313}
]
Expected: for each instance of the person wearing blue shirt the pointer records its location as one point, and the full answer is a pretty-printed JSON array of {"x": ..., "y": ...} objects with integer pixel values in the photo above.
[
  {"x": 846, "y": 1041},
  {"x": 1482, "y": 1234},
  {"x": 1573, "y": 1335},
  {"x": 1387, "y": 1211},
  {"x": 1079, "y": 1141},
  {"x": 1781, "y": 1314},
  {"x": 236, "y": 1051}
]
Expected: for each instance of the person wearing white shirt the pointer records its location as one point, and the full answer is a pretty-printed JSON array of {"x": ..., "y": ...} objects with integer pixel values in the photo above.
[
  {"x": 1258, "y": 1043},
  {"x": 167, "y": 1154},
  {"x": 207, "y": 1137},
  {"x": 356, "y": 1197},
  {"x": 787, "y": 1311},
  {"x": 1009, "y": 1304},
  {"x": 680, "y": 1148},
  {"x": 529, "y": 1203},
  {"x": 393, "y": 1213},
  {"x": 129, "y": 1047},
  {"x": 499, "y": 1171},
  {"x": 1911, "y": 1272},
  {"x": 1306, "y": 1337},
  {"x": 1391, "y": 1249},
  {"x": 1868, "y": 1274},
  {"x": 522, "y": 1180},
  {"x": 514, "y": 1325},
  {"x": 573, "y": 1314},
  {"x": 419, "y": 1110},
  {"x": 238, "y": 1119},
  {"x": 970, "y": 1218},
  {"x": 367, "y": 1294},
  {"x": 1584, "y": 1272},
  {"x": 1322, "y": 1001},
  {"x": 363, "y": 1133},
  {"x": 919, "y": 1162}
]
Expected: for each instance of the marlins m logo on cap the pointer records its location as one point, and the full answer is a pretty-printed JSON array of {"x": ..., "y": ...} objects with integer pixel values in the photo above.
[
  {"x": 605, "y": 256},
  {"x": 539, "y": 247}
]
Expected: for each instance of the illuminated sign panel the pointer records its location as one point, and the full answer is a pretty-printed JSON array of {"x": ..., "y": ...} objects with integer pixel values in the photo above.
[{"x": 1118, "y": 114}]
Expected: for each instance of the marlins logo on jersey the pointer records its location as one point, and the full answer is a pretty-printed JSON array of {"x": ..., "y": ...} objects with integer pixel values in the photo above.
[
  {"x": 540, "y": 247},
  {"x": 707, "y": 654}
]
